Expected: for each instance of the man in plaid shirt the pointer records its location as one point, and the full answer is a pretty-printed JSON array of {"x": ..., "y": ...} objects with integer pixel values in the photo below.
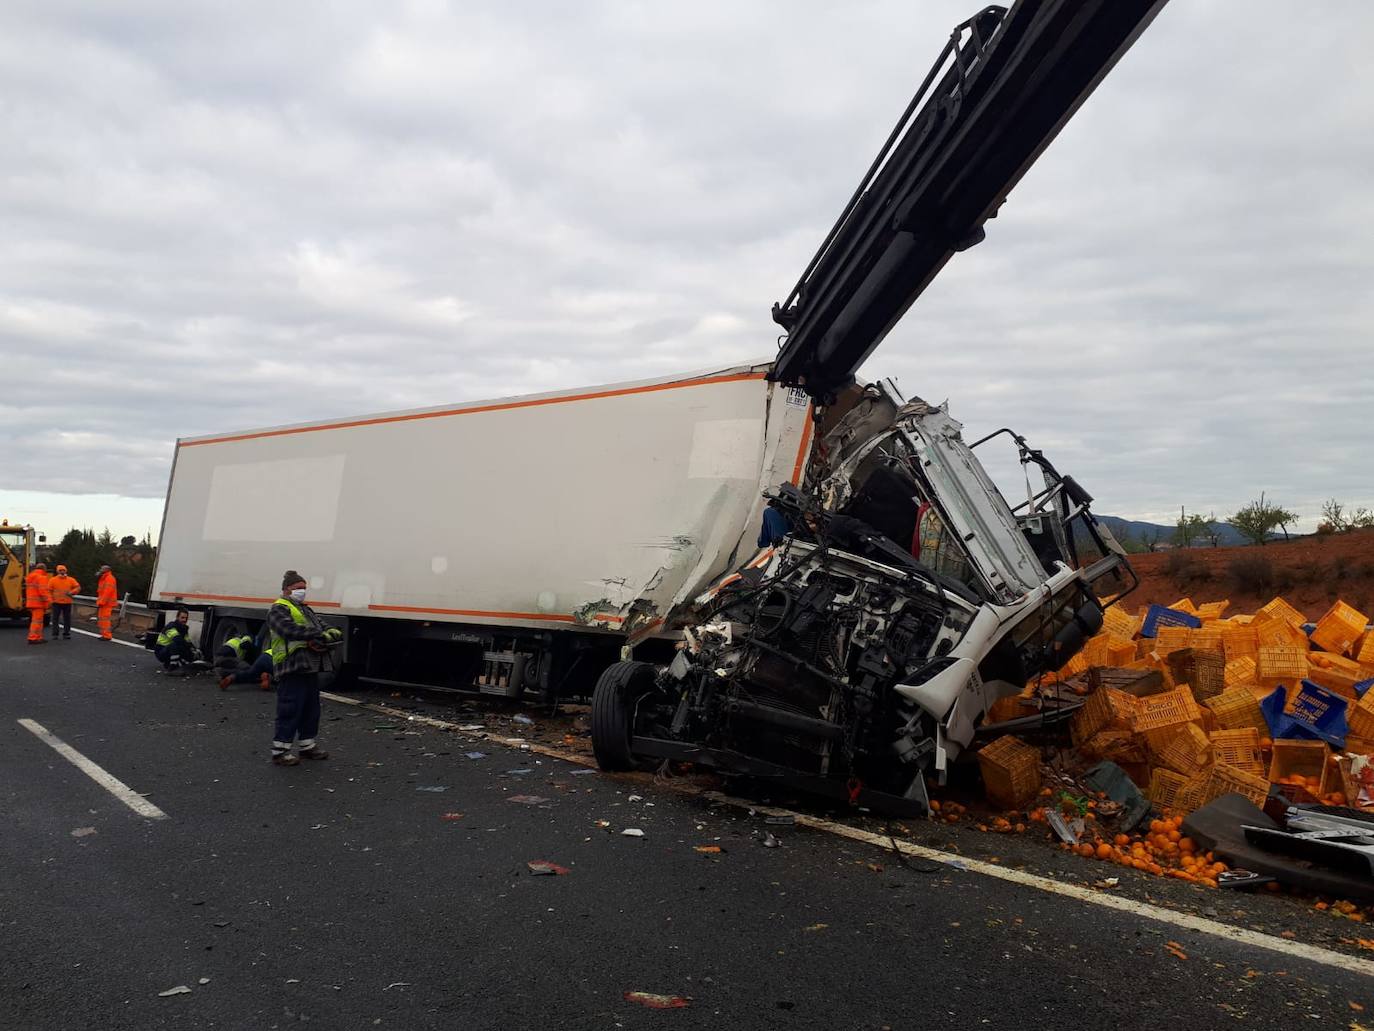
[{"x": 299, "y": 646}]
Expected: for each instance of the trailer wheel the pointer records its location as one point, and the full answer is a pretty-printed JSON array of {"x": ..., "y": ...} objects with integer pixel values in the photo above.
[{"x": 617, "y": 696}]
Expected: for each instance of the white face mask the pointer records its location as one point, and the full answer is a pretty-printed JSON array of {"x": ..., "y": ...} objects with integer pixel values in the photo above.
[{"x": 298, "y": 594}]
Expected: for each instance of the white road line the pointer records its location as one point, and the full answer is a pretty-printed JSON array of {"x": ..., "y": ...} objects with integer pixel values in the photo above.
[
  {"x": 1090, "y": 896},
  {"x": 116, "y": 640},
  {"x": 113, "y": 785}
]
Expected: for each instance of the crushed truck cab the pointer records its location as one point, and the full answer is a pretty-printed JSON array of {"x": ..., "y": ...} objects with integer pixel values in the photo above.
[{"x": 862, "y": 652}]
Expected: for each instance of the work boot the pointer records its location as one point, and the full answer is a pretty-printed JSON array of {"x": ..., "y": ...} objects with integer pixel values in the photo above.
[
  {"x": 314, "y": 753},
  {"x": 224, "y": 682},
  {"x": 265, "y": 682},
  {"x": 284, "y": 759}
]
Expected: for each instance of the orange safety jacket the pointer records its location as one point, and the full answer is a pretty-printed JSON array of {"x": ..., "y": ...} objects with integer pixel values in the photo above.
[
  {"x": 62, "y": 588},
  {"x": 36, "y": 592},
  {"x": 106, "y": 590}
]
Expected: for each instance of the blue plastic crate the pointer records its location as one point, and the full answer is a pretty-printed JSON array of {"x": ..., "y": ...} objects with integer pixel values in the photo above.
[
  {"x": 1363, "y": 686},
  {"x": 1318, "y": 714},
  {"x": 1161, "y": 615}
]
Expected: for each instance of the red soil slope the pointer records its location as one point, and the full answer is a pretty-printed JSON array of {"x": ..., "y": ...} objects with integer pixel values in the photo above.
[{"x": 1310, "y": 572}]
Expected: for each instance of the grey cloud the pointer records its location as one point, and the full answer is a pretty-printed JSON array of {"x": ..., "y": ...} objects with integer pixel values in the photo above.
[{"x": 209, "y": 226}]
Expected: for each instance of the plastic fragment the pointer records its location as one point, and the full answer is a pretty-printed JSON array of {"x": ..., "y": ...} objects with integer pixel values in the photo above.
[
  {"x": 432, "y": 787},
  {"x": 527, "y": 799},
  {"x": 203, "y": 980},
  {"x": 635, "y": 798},
  {"x": 180, "y": 989},
  {"x": 708, "y": 849},
  {"x": 658, "y": 1002},
  {"x": 83, "y": 832},
  {"x": 632, "y": 832},
  {"x": 543, "y": 868},
  {"x": 769, "y": 841},
  {"x": 522, "y": 719},
  {"x": 475, "y": 755},
  {"x": 450, "y": 816}
]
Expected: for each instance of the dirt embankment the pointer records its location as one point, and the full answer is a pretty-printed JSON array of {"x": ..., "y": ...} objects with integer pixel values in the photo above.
[{"x": 1310, "y": 572}]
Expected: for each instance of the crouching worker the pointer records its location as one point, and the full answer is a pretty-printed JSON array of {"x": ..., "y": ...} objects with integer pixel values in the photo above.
[
  {"x": 244, "y": 660},
  {"x": 173, "y": 647},
  {"x": 300, "y": 653}
]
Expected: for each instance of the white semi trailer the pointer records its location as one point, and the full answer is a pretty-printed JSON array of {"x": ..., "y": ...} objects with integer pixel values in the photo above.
[{"x": 496, "y": 545}]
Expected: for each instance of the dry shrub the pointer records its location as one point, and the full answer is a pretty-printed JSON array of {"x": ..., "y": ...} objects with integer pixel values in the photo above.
[
  {"x": 1252, "y": 574},
  {"x": 1183, "y": 566}
]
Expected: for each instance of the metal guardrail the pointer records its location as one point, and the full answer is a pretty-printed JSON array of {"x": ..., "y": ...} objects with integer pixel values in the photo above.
[{"x": 124, "y": 604}]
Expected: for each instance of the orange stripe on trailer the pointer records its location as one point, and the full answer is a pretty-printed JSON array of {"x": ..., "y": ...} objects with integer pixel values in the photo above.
[
  {"x": 478, "y": 409},
  {"x": 548, "y": 617},
  {"x": 179, "y": 596},
  {"x": 801, "y": 449}
]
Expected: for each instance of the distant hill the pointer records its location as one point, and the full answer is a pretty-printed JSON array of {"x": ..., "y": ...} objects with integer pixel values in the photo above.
[{"x": 1137, "y": 530}]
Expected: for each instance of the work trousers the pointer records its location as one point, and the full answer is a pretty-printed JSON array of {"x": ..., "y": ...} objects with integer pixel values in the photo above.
[
  {"x": 102, "y": 620},
  {"x": 298, "y": 711},
  {"x": 248, "y": 673},
  {"x": 36, "y": 614},
  {"x": 180, "y": 648},
  {"x": 61, "y": 614}
]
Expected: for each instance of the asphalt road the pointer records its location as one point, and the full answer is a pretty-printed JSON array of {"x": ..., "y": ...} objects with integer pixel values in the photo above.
[{"x": 344, "y": 894}]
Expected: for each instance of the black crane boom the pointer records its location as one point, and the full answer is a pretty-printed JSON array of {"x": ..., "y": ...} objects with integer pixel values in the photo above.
[{"x": 1004, "y": 85}]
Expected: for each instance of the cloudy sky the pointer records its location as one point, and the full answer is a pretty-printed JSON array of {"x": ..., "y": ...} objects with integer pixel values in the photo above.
[{"x": 221, "y": 216}]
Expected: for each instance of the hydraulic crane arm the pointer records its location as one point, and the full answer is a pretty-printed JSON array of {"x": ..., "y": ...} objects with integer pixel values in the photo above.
[{"x": 1000, "y": 91}]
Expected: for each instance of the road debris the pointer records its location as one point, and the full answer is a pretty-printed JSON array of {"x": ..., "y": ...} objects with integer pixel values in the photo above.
[
  {"x": 397, "y": 984},
  {"x": 180, "y": 989},
  {"x": 522, "y": 719},
  {"x": 450, "y": 816},
  {"x": 475, "y": 755},
  {"x": 708, "y": 849},
  {"x": 816, "y": 927},
  {"x": 635, "y": 798},
  {"x": 528, "y": 799},
  {"x": 769, "y": 841},
  {"x": 83, "y": 832},
  {"x": 543, "y": 868},
  {"x": 632, "y": 832},
  {"x": 203, "y": 980},
  {"x": 1175, "y": 949},
  {"x": 659, "y": 1002},
  {"x": 432, "y": 787}
]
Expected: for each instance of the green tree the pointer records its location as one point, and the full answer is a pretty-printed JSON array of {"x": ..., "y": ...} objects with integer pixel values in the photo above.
[
  {"x": 83, "y": 552},
  {"x": 1189, "y": 529},
  {"x": 1257, "y": 520}
]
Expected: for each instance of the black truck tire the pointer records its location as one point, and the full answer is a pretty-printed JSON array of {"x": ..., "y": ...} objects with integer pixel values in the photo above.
[{"x": 617, "y": 692}]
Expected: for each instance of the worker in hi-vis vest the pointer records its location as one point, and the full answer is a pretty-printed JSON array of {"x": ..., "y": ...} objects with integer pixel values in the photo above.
[
  {"x": 36, "y": 599},
  {"x": 244, "y": 659},
  {"x": 299, "y": 648},
  {"x": 173, "y": 647},
  {"x": 106, "y": 597},
  {"x": 62, "y": 589}
]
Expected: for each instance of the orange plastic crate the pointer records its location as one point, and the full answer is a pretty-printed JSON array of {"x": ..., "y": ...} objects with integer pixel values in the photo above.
[
  {"x": 1161, "y": 715},
  {"x": 1237, "y": 708},
  {"x": 1074, "y": 666},
  {"x": 1120, "y": 653},
  {"x": 1277, "y": 634},
  {"x": 1171, "y": 639},
  {"x": 1360, "y": 716},
  {"x": 1120, "y": 623},
  {"x": 1224, "y": 780},
  {"x": 1339, "y": 629},
  {"x": 1299, "y": 758},
  {"x": 1105, "y": 708},
  {"x": 1188, "y": 751},
  {"x": 1119, "y": 746},
  {"x": 1275, "y": 665},
  {"x": 1167, "y": 790},
  {"x": 1365, "y": 652},
  {"x": 1238, "y": 641},
  {"x": 1239, "y": 671},
  {"x": 1207, "y": 638},
  {"x": 1280, "y": 609},
  {"x": 1183, "y": 605},
  {"x": 1011, "y": 772},
  {"x": 1212, "y": 609},
  {"x": 1203, "y": 671},
  {"x": 1239, "y": 749}
]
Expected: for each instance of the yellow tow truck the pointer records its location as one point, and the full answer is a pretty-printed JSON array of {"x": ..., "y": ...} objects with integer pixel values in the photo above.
[{"x": 18, "y": 552}]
